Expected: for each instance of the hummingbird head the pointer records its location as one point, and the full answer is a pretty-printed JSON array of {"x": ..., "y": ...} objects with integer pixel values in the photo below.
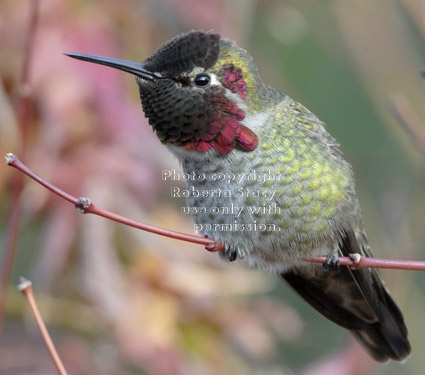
[{"x": 197, "y": 90}]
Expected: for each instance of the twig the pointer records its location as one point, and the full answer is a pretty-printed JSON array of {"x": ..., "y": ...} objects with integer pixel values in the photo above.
[
  {"x": 24, "y": 116},
  {"x": 84, "y": 205},
  {"x": 356, "y": 261},
  {"x": 25, "y": 286}
]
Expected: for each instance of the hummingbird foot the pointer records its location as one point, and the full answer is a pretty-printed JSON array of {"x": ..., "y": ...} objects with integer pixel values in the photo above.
[
  {"x": 231, "y": 254},
  {"x": 228, "y": 253},
  {"x": 332, "y": 262}
]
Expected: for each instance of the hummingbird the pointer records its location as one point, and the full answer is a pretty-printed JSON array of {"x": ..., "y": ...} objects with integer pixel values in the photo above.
[{"x": 295, "y": 192}]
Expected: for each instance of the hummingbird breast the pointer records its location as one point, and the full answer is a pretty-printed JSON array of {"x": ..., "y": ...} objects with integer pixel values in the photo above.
[{"x": 288, "y": 198}]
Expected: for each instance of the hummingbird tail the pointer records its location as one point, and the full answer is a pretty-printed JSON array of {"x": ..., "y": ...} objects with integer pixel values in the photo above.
[
  {"x": 356, "y": 300},
  {"x": 381, "y": 330},
  {"x": 387, "y": 338}
]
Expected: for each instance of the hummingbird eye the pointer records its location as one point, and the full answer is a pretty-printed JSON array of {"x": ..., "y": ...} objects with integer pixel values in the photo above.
[{"x": 202, "y": 80}]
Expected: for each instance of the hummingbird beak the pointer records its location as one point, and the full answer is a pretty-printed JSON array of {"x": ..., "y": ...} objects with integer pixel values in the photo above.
[{"x": 127, "y": 66}]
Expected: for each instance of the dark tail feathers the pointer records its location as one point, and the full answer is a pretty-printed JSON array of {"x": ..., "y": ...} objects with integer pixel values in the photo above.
[{"x": 371, "y": 315}]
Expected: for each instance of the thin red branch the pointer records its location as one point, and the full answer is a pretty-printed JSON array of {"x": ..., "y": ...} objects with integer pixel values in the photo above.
[
  {"x": 24, "y": 116},
  {"x": 25, "y": 286},
  {"x": 150, "y": 228},
  {"x": 85, "y": 206},
  {"x": 356, "y": 261}
]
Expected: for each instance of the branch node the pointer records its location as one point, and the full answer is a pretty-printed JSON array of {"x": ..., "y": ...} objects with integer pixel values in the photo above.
[
  {"x": 23, "y": 284},
  {"x": 9, "y": 158},
  {"x": 83, "y": 204},
  {"x": 355, "y": 257}
]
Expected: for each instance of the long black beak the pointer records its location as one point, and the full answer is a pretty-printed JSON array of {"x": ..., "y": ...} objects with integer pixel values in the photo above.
[{"x": 127, "y": 66}]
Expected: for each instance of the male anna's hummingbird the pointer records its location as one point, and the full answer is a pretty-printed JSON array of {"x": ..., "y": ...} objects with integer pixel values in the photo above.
[{"x": 271, "y": 183}]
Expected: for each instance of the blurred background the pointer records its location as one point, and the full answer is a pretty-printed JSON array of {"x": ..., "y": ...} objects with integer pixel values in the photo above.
[{"x": 118, "y": 300}]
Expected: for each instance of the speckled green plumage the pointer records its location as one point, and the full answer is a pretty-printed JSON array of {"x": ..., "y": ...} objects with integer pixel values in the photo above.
[
  {"x": 313, "y": 201},
  {"x": 313, "y": 184}
]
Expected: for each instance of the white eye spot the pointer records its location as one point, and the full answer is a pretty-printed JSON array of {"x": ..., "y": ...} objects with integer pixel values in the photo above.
[{"x": 214, "y": 80}]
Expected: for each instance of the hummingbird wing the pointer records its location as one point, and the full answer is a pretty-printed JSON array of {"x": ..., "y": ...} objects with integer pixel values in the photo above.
[{"x": 356, "y": 300}]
